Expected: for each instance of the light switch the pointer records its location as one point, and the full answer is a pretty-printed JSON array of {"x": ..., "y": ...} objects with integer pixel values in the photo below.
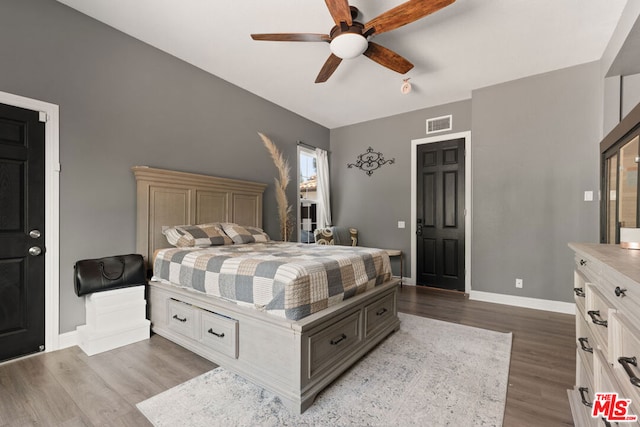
[
  {"x": 588, "y": 196},
  {"x": 400, "y": 224}
]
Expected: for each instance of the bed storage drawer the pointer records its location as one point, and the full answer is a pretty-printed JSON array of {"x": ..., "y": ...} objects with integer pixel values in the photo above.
[
  {"x": 219, "y": 333},
  {"x": 332, "y": 343},
  {"x": 376, "y": 313},
  {"x": 182, "y": 318}
]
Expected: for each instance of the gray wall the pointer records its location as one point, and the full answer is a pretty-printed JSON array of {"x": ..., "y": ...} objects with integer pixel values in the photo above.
[
  {"x": 630, "y": 93},
  {"x": 535, "y": 152},
  {"x": 124, "y": 103},
  {"x": 374, "y": 204},
  {"x": 534, "y": 145},
  {"x": 621, "y": 95}
]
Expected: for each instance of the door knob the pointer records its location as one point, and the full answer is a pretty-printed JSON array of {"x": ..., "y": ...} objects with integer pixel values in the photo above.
[
  {"x": 35, "y": 251},
  {"x": 34, "y": 234}
]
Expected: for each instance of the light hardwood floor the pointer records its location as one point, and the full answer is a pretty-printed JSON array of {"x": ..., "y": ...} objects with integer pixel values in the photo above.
[{"x": 68, "y": 388}]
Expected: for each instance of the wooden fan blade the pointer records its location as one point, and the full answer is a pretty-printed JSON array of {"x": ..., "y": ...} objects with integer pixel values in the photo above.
[
  {"x": 328, "y": 68},
  {"x": 387, "y": 58},
  {"x": 292, "y": 37},
  {"x": 404, "y": 14},
  {"x": 339, "y": 10}
]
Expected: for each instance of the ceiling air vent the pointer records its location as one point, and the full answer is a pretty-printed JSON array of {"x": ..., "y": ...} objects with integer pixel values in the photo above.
[{"x": 439, "y": 124}]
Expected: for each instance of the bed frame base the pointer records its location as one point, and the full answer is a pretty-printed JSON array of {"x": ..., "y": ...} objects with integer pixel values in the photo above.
[{"x": 295, "y": 360}]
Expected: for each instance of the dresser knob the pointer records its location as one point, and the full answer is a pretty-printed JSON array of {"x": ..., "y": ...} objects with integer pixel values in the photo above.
[{"x": 620, "y": 292}]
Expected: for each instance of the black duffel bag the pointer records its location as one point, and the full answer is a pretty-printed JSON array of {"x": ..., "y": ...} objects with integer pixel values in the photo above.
[{"x": 105, "y": 274}]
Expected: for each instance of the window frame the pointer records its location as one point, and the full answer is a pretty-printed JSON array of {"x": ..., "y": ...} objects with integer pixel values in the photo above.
[
  {"x": 622, "y": 134},
  {"x": 310, "y": 152}
]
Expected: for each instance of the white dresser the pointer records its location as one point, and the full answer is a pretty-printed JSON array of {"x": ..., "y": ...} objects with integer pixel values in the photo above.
[{"x": 607, "y": 294}]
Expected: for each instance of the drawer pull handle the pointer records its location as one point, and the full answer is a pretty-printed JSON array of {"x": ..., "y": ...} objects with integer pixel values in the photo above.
[
  {"x": 595, "y": 314},
  {"x": 584, "y": 343},
  {"x": 381, "y": 312},
  {"x": 175, "y": 316},
  {"x": 585, "y": 402},
  {"x": 625, "y": 362},
  {"x": 579, "y": 292},
  {"x": 338, "y": 340},
  {"x": 583, "y": 262},
  {"x": 620, "y": 292},
  {"x": 219, "y": 335}
]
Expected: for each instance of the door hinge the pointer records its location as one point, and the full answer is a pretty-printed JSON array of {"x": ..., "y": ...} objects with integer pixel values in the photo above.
[{"x": 43, "y": 117}]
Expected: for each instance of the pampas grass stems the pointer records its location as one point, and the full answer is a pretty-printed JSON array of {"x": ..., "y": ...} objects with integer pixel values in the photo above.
[{"x": 284, "y": 170}]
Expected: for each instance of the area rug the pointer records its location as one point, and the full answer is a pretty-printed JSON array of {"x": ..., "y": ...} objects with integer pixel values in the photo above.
[{"x": 429, "y": 373}]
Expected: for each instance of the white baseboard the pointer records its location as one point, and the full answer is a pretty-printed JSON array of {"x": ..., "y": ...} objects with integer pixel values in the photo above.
[
  {"x": 516, "y": 301},
  {"x": 68, "y": 339},
  {"x": 535, "y": 303}
]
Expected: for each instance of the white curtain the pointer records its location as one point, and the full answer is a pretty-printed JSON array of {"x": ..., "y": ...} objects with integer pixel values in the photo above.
[{"x": 323, "y": 208}]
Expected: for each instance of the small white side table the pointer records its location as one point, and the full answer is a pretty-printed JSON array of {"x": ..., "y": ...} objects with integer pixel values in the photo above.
[{"x": 398, "y": 253}]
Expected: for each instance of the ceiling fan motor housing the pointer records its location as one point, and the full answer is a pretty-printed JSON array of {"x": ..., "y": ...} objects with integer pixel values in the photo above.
[{"x": 347, "y": 42}]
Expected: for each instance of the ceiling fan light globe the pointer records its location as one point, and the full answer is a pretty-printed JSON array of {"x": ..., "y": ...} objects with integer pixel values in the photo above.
[{"x": 348, "y": 45}]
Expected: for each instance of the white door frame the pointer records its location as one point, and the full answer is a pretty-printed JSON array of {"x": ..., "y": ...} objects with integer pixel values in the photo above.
[
  {"x": 49, "y": 113},
  {"x": 467, "y": 201}
]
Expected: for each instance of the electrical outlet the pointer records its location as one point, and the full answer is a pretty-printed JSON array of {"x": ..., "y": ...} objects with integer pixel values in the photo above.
[{"x": 518, "y": 283}]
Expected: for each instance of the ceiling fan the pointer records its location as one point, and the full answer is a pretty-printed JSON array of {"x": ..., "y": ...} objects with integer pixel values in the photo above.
[{"x": 350, "y": 38}]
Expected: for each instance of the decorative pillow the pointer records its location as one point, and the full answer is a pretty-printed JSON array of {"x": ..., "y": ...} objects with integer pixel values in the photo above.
[
  {"x": 241, "y": 234},
  {"x": 200, "y": 235},
  {"x": 336, "y": 236}
]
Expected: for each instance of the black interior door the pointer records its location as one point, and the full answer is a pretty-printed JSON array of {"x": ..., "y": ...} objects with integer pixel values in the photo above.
[
  {"x": 22, "y": 300},
  {"x": 440, "y": 215}
]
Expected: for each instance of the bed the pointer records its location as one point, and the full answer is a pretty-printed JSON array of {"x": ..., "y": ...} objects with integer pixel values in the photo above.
[{"x": 292, "y": 339}]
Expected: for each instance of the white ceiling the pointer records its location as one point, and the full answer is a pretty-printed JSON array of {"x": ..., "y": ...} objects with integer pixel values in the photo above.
[{"x": 468, "y": 45}]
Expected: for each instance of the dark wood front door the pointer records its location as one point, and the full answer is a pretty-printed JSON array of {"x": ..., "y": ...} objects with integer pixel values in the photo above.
[
  {"x": 22, "y": 300},
  {"x": 440, "y": 215}
]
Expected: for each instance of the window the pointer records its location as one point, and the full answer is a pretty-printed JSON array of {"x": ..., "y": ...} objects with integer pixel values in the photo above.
[{"x": 307, "y": 189}]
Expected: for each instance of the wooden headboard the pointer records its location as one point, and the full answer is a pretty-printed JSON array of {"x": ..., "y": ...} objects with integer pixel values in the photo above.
[{"x": 168, "y": 198}]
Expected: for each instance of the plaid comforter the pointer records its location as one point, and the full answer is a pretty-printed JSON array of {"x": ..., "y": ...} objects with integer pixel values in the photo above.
[{"x": 289, "y": 280}]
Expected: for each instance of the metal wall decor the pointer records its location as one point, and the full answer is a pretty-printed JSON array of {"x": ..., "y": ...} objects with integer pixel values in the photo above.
[{"x": 370, "y": 161}]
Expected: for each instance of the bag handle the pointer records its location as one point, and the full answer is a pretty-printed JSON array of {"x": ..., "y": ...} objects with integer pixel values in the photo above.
[{"x": 113, "y": 277}]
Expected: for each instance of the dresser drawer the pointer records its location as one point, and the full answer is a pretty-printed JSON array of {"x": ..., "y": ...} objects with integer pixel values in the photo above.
[
  {"x": 579, "y": 289},
  {"x": 626, "y": 366},
  {"x": 585, "y": 341},
  {"x": 606, "y": 382},
  {"x": 219, "y": 333},
  {"x": 580, "y": 412},
  {"x": 598, "y": 310},
  {"x": 624, "y": 294},
  {"x": 376, "y": 313},
  {"x": 182, "y": 318},
  {"x": 581, "y": 397},
  {"x": 588, "y": 266},
  {"x": 330, "y": 344}
]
